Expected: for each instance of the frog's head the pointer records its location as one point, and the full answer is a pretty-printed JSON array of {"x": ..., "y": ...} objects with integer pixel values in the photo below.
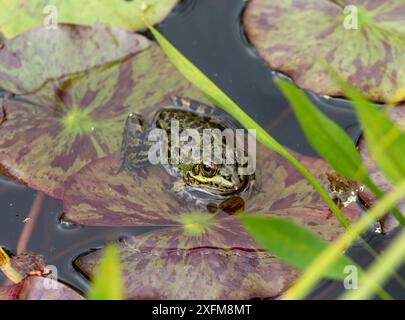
[{"x": 213, "y": 178}]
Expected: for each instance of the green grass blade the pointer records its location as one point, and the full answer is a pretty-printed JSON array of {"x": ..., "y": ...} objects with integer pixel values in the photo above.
[
  {"x": 292, "y": 243},
  {"x": 107, "y": 283},
  {"x": 330, "y": 141},
  {"x": 380, "y": 271},
  {"x": 314, "y": 272},
  {"x": 325, "y": 136},
  {"x": 220, "y": 99},
  {"x": 384, "y": 139}
]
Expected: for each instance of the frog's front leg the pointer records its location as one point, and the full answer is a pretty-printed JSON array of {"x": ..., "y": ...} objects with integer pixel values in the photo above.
[{"x": 135, "y": 146}]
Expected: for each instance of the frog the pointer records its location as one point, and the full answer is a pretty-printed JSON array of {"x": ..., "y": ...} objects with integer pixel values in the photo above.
[
  {"x": 201, "y": 184},
  {"x": 344, "y": 191}
]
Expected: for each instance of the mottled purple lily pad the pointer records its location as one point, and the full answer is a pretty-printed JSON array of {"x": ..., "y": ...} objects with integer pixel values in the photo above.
[
  {"x": 153, "y": 272},
  {"x": 200, "y": 254},
  {"x": 398, "y": 116},
  {"x": 304, "y": 38},
  {"x": 40, "y": 55},
  {"x": 18, "y": 16},
  {"x": 51, "y": 134},
  {"x": 39, "y": 288}
]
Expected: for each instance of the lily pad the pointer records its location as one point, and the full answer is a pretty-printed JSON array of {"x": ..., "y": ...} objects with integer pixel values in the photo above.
[
  {"x": 398, "y": 116},
  {"x": 51, "y": 134},
  {"x": 198, "y": 254},
  {"x": 154, "y": 272},
  {"x": 39, "y": 55},
  {"x": 305, "y": 38},
  {"x": 39, "y": 288},
  {"x": 18, "y": 16},
  {"x": 10, "y": 292}
]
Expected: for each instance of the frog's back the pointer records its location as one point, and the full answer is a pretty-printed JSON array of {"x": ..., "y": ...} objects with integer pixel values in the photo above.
[{"x": 186, "y": 119}]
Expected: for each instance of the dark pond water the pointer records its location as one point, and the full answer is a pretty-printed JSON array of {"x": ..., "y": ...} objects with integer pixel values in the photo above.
[{"x": 208, "y": 32}]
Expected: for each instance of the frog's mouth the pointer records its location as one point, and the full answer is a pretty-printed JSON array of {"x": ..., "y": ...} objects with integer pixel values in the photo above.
[{"x": 218, "y": 185}]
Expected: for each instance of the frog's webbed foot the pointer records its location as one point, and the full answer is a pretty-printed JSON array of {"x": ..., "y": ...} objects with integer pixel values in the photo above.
[{"x": 135, "y": 146}]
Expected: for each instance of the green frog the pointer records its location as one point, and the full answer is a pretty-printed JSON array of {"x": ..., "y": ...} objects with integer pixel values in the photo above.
[{"x": 201, "y": 184}]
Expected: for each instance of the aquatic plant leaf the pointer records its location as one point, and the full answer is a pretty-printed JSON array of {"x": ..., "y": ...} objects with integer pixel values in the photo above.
[
  {"x": 39, "y": 288},
  {"x": 39, "y": 55},
  {"x": 53, "y": 133},
  {"x": 198, "y": 254},
  {"x": 97, "y": 196},
  {"x": 10, "y": 292},
  {"x": 292, "y": 243},
  {"x": 18, "y": 16},
  {"x": 107, "y": 284},
  {"x": 385, "y": 139},
  {"x": 301, "y": 38},
  {"x": 397, "y": 115},
  {"x": 156, "y": 266},
  {"x": 330, "y": 141}
]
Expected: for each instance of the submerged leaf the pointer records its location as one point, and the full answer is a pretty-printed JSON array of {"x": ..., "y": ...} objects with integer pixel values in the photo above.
[
  {"x": 302, "y": 37},
  {"x": 50, "y": 135},
  {"x": 39, "y": 55},
  {"x": 18, "y": 16}
]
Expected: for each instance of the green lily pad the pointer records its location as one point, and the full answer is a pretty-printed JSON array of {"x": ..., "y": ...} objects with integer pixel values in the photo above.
[
  {"x": 305, "y": 38},
  {"x": 197, "y": 255},
  {"x": 18, "y": 16},
  {"x": 51, "y": 134},
  {"x": 40, "y": 55},
  {"x": 398, "y": 116},
  {"x": 38, "y": 288}
]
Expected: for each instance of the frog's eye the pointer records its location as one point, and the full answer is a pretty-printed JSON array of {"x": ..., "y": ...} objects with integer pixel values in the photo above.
[{"x": 208, "y": 171}]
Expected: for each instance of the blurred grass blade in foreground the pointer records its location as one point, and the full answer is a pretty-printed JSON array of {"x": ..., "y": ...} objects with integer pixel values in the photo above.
[
  {"x": 107, "y": 283},
  {"x": 330, "y": 141},
  {"x": 292, "y": 243}
]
